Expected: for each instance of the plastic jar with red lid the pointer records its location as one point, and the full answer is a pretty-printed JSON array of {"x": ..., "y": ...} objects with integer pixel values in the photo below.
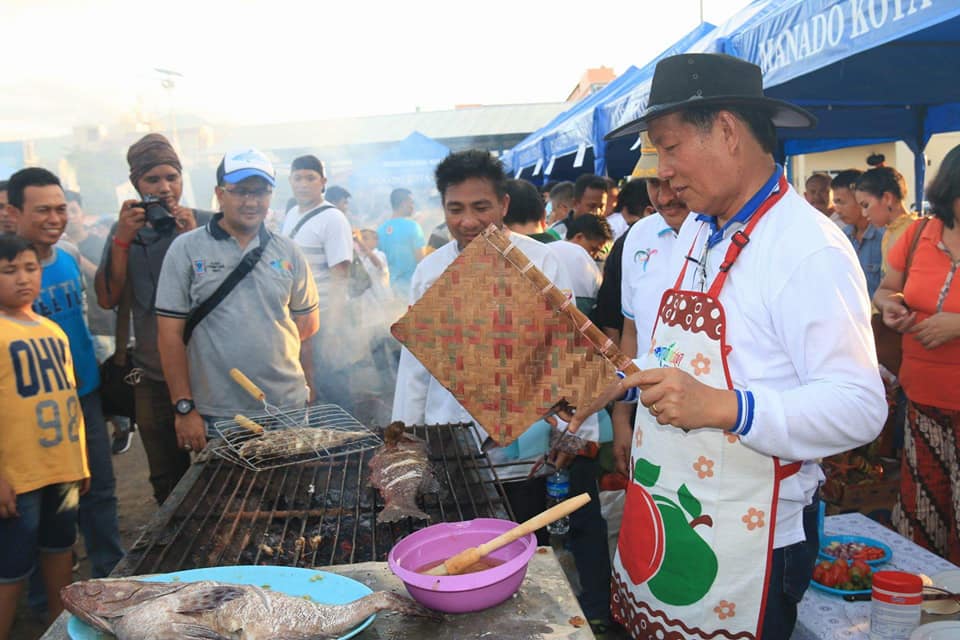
[{"x": 895, "y": 605}]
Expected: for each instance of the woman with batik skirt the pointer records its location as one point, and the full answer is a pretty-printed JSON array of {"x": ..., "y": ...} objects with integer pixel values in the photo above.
[{"x": 920, "y": 297}]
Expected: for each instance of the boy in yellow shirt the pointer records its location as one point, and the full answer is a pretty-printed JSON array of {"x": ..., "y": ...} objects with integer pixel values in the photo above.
[{"x": 43, "y": 460}]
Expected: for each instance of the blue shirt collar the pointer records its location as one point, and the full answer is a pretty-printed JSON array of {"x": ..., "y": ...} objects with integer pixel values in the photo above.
[
  {"x": 869, "y": 233},
  {"x": 746, "y": 212}
]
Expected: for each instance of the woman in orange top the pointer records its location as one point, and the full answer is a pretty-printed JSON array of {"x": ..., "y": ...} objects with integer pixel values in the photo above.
[{"x": 924, "y": 305}]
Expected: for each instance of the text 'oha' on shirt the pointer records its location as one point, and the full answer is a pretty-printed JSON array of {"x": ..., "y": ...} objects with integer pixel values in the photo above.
[{"x": 43, "y": 440}]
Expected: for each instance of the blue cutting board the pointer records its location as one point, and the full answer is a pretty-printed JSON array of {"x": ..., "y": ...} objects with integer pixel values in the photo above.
[{"x": 321, "y": 586}]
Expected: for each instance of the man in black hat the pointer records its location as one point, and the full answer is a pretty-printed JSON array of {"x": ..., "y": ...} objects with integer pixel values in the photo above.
[{"x": 761, "y": 362}]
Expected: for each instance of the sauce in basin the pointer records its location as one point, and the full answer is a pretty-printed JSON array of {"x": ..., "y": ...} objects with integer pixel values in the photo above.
[{"x": 467, "y": 592}]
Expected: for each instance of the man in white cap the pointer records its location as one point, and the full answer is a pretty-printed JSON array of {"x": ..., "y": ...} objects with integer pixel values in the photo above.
[
  {"x": 210, "y": 322},
  {"x": 760, "y": 363}
]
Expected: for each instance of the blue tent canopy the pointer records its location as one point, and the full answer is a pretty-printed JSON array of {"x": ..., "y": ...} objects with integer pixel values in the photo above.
[
  {"x": 868, "y": 69},
  {"x": 578, "y": 128},
  {"x": 620, "y": 155},
  {"x": 534, "y": 148},
  {"x": 408, "y": 163}
]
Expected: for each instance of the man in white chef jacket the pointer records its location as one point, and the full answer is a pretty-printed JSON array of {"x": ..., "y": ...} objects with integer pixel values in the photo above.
[{"x": 472, "y": 186}]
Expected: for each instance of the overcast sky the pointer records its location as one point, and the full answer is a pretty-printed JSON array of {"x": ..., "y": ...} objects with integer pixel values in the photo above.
[{"x": 69, "y": 62}]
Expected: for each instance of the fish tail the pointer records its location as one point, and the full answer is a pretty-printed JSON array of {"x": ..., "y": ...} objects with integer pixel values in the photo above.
[
  {"x": 395, "y": 512},
  {"x": 389, "y": 601}
]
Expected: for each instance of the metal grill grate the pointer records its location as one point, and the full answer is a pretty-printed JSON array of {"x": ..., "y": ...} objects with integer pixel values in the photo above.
[
  {"x": 314, "y": 514},
  {"x": 266, "y": 441}
]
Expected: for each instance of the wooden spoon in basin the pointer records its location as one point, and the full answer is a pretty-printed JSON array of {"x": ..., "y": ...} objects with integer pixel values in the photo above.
[{"x": 456, "y": 564}]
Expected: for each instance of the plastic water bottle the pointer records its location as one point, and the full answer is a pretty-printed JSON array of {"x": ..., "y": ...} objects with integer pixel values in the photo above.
[{"x": 558, "y": 489}]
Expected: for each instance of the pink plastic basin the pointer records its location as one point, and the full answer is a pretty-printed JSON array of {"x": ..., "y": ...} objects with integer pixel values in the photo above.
[{"x": 471, "y": 591}]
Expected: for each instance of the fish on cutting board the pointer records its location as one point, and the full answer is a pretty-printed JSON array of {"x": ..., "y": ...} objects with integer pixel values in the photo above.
[
  {"x": 401, "y": 470},
  {"x": 298, "y": 440},
  {"x": 208, "y": 610}
]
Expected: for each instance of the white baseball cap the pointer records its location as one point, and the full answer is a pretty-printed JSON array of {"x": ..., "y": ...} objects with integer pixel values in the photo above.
[{"x": 240, "y": 165}]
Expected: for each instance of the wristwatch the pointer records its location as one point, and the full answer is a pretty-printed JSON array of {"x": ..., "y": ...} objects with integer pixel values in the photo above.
[{"x": 184, "y": 406}]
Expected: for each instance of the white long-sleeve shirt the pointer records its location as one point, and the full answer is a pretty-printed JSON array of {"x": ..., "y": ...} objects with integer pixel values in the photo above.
[
  {"x": 647, "y": 272},
  {"x": 798, "y": 322},
  {"x": 419, "y": 397}
]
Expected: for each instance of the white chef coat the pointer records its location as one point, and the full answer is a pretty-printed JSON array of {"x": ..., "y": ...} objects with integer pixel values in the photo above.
[{"x": 798, "y": 324}]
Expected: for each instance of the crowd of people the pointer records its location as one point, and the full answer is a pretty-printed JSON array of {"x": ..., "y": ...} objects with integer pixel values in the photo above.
[{"x": 755, "y": 313}]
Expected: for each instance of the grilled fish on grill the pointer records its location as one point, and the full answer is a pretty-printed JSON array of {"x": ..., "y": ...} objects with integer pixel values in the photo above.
[
  {"x": 298, "y": 440},
  {"x": 135, "y": 610},
  {"x": 401, "y": 471}
]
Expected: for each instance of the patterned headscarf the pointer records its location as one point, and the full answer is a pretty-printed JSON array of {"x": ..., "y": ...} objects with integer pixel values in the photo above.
[{"x": 148, "y": 152}]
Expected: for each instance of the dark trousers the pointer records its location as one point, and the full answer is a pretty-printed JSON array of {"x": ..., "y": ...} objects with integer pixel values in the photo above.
[
  {"x": 587, "y": 538},
  {"x": 789, "y": 577},
  {"x": 527, "y": 499},
  {"x": 98, "y": 507},
  {"x": 588, "y": 541},
  {"x": 155, "y": 418}
]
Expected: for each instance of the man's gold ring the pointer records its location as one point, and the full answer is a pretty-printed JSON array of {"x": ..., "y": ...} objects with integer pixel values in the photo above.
[{"x": 655, "y": 410}]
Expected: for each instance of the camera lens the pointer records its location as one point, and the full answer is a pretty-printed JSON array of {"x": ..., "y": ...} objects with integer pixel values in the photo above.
[{"x": 158, "y": 216}]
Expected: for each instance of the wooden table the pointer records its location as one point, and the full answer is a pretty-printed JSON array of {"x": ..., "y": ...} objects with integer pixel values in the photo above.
[
  {"x": 541, "y": 609},
  {"x": 822, "y": 616}
]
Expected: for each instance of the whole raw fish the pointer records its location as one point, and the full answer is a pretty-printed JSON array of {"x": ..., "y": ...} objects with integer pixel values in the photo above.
[
  {"x": 207, "y": 610},
  {"x": 401, "y": 471}
]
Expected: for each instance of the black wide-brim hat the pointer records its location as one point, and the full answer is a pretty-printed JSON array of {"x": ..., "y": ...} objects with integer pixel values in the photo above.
[{"x": 711, "y": 79}]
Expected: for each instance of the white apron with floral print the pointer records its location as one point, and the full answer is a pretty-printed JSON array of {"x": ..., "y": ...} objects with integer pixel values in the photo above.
[{"x": 693, "y": 557}]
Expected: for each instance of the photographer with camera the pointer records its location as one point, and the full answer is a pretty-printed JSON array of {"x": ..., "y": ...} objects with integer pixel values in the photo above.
[{"x": 131, "y": 261}]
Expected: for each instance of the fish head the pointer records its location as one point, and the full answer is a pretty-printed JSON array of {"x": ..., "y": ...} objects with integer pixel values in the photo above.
[
  {"x": 88, "y": 600},
  {"x": 92, "y": 595},
  {"x": 394, "y": 432},
  {"x": 111, "y": 597}
]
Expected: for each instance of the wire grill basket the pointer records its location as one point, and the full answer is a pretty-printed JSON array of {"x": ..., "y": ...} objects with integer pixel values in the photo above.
[{"x": 270, "y": 440}]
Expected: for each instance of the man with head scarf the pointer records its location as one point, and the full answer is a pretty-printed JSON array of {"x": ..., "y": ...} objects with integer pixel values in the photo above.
[{"x": 132, "y": 258}]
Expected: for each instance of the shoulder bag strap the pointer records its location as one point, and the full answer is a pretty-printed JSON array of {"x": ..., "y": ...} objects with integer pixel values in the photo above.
[
  {"x": 913, "y": 247},
  {"x": 307, "y": 217},
  {"x": 122, "y": 331},
  {"x": 239, "y": 273}
]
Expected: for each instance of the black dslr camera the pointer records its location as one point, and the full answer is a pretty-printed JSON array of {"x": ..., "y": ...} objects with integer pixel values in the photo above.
[{"x": 157, "y": 214}]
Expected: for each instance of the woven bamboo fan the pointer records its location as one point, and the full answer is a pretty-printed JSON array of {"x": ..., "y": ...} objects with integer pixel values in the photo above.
[{"x": 505, "y": 341}]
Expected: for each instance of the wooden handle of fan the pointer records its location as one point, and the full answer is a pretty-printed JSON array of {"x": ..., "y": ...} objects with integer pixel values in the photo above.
[
  {"x": 467, "y": 557},
  {"x": 248, "y": 424},
  {"x": 247, "y": 384}
]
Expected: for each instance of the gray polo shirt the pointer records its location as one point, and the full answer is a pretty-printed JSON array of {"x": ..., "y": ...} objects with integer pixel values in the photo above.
[{"x": 252, "y": 329}]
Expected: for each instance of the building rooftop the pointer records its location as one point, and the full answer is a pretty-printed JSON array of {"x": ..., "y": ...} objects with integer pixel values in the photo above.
[{"x": 490, "y": 120}]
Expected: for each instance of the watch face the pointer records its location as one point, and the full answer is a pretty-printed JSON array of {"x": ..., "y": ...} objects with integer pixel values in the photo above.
[{"x": 184, "y": 406}]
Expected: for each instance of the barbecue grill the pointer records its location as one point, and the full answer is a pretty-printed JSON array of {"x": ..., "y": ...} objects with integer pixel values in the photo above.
[{"x": 317, "y": 513}]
